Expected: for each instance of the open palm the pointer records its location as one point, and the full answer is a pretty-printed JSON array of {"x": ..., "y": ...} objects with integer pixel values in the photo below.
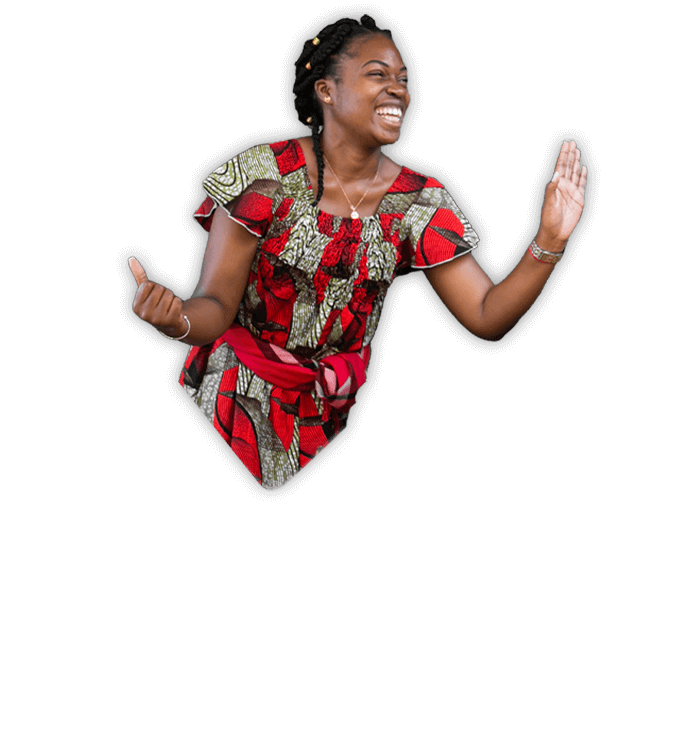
[{"x": 563, "y": 199}]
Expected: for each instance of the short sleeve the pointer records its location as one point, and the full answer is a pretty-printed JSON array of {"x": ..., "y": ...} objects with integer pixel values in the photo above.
[
  {"x": 435, "y": 229},
  {"x": 247, "y": 187}
]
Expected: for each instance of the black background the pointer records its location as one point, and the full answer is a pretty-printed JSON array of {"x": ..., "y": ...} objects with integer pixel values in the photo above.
[{"x": 442, "y": 411}]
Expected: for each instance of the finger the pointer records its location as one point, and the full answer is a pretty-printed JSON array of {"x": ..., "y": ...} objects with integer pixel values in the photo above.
[
  {"x": 577, "y": 166},
  {"x": 551, "y": 193},
  {"x": 558, "y": 201},
  {"x": 584, "y": 176},
  {"x": 571, "y": 160},
  {"x": 175, "y": 309},
  {"x": 560, "y": 167},
  {"x": 159, "y": 314},
  {"x": 164, "y": 315},
  {"x": 147, "y": 299},
  {"x": 174, "y": 302},
  {"x": 168, "y": 313},
  {"x": 149, "y": 308},
  {"x": 162, "y": 310},
  {"x": 142, "y": 295},
  {"x": 561, "y": 161},
  {"x": 137, "y": 270}
]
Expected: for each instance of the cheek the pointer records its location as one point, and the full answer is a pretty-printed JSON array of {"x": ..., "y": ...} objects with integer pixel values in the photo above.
[{"x": 352, "y": 105}]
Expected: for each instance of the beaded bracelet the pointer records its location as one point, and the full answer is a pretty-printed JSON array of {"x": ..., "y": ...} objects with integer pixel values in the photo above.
[
  {"x": 184, "y": 335},
  {"x": 542, "y": 255}
]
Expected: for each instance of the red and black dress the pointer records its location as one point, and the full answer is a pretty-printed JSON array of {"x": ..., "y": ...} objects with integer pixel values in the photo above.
[{"x": 279, "y": 383}]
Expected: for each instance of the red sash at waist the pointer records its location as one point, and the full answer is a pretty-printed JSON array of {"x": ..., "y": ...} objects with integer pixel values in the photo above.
[{"x": 336, "y": 378}]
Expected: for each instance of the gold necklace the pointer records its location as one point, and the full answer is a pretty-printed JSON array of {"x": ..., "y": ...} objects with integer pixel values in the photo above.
[{"x": 353, "y": 212}]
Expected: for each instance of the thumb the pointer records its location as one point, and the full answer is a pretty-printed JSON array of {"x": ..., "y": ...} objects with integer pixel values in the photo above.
[
  {"x": 137, "y": 270},
  {"x": 550, "y": 191},
  {"x": 555, "y": 179}
]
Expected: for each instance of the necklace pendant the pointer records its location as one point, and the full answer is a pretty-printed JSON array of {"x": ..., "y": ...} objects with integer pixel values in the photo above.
[{"x": 354, "y": 215}]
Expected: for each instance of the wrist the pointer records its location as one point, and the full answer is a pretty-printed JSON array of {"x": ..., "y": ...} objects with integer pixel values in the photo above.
[
  {"x": 550, "y": 244},
  {"x": 177, "y": 332},
  {"x": 543, "y": 256}
]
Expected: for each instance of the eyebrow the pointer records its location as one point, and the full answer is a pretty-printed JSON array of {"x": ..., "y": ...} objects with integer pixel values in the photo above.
[{"x": 379, "y": 62}]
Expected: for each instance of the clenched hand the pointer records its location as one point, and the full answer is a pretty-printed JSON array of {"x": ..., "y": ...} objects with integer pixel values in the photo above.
[{"x": 156, "y": 304}]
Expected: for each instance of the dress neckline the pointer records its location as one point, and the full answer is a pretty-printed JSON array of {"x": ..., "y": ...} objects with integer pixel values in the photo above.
[{"x": 335, "y": 216}]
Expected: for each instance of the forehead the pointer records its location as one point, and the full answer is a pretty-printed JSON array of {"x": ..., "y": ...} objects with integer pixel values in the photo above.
[{"x": 376, "y": 47}]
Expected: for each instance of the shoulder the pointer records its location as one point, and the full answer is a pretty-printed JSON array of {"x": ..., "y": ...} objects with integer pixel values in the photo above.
[
  {"x": 415, "y": 174},
  {"x": 288, "y": 154},
  {"x": 434, "y": 224},
  {"x": 265, "y": 160},
  {"x": 410, "y": 181},
  {"x": 265, "y": 168}
]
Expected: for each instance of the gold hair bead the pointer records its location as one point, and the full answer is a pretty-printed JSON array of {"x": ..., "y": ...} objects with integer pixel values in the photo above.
[
  {"x": 308, "y": 119},
  {"x": 316, "y": 41},
  {"x": 308, "y": 66}
]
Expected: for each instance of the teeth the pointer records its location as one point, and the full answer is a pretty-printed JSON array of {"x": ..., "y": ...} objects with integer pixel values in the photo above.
[{"x": 392, "y": 111}]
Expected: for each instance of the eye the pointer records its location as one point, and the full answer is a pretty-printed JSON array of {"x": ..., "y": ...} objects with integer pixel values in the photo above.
[{"x": 381, "y": 73}]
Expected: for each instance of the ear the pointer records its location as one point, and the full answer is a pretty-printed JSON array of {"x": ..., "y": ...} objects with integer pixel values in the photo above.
[{"x": 324, "y": 88}]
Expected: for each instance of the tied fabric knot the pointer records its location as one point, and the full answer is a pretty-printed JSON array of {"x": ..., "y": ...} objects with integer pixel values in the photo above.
[
  {"x": 335, "y": 379},
  {"x": 340, "y": 376}
]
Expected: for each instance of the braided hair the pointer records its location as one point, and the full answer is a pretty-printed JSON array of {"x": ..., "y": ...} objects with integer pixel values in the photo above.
[{"x": 319, "y": 59}]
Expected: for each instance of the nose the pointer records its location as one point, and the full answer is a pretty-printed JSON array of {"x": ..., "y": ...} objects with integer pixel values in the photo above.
[
  {"x": 398, "y": 89},
  {"x": 401, "y": 93}
]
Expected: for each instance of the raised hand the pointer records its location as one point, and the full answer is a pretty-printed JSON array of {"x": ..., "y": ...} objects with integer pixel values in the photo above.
[
  {"x": 157, "y": 305},
  {"x": 563, "y": 199}
]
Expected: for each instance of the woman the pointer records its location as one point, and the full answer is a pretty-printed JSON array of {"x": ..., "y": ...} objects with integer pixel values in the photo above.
[{"x": 305, "y": 237}]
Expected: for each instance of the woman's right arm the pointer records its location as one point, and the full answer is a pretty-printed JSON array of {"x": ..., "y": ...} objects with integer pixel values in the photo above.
[{"x": 214, "y": 303}]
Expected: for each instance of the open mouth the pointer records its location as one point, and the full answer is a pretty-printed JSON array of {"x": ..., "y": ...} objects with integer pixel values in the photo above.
[{"x": 392, "y": 115}]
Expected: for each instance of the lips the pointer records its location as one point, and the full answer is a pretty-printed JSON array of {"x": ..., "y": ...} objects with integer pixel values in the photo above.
[{"x": 390, "y": 114}]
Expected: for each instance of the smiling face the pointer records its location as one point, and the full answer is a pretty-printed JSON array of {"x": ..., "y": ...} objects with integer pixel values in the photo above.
[{"x": 369, "y": 94}]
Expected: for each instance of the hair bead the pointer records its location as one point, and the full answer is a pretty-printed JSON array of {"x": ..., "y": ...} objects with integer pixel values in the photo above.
[
  {"x": 308, "y": 66},
  {"x": 316, "y": 41}
]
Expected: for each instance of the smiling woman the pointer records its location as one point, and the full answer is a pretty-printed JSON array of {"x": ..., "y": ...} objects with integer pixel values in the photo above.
[
  {"x": 299, "y": 259},
  {"x": 368, "y": 96}
]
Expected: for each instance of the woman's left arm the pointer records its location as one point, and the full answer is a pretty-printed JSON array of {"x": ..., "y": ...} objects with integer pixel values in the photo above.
[{"x": 490, "y": 310}]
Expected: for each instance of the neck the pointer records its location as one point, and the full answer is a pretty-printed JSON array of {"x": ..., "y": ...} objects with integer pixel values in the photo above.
[{"x": 350, "y": 160}]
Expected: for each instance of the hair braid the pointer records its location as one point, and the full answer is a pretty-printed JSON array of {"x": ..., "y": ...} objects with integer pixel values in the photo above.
[{"x": 319, "y": 59}]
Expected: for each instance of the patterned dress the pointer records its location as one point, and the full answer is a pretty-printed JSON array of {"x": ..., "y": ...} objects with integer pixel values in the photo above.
[{"x": 279, "y": 384}]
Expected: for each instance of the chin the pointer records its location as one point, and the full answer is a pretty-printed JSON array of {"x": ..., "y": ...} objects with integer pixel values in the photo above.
[
  {"x": 386, "y": 139},
  {"x": 393, "y": 139}
]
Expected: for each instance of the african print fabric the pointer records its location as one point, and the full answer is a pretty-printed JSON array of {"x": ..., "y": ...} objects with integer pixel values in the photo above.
[{"x": 273, "y": 385}]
